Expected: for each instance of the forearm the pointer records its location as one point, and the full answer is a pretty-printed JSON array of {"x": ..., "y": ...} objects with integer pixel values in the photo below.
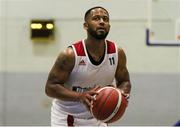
[{"x": 62, "y": 93}]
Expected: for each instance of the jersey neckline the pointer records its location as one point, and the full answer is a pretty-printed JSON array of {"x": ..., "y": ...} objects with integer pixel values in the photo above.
[{"x": 101, "y": 61}]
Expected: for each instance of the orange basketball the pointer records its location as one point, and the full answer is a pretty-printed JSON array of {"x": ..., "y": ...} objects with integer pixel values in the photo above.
[{"x": 109, "y": 105}]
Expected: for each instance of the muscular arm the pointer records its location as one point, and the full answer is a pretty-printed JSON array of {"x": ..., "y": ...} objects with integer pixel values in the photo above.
[
  {"x": 58, "y": 76},
  {"x": 122, "y": 74}
]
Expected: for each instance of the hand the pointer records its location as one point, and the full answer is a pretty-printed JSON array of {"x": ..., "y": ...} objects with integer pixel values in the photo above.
[
  {"x": 88, "y": 96},
  {"x": 125, "y": 89},
  {"x": 126, "y": 95}
]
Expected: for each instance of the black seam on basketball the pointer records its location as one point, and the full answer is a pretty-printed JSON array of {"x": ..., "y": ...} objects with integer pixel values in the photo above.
[
  {"x": 105, "y": 102},
  {"x": 114, "y": 109}
]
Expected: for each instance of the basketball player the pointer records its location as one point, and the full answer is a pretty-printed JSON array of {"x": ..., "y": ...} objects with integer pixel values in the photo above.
[{"x": 82, "y": 68}]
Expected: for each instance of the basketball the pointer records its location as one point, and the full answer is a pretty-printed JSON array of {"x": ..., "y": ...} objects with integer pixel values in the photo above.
[{"x": 109, "y": 105}]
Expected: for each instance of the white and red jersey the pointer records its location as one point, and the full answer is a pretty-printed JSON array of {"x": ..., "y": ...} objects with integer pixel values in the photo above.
[{"x": 86, "y": 75}]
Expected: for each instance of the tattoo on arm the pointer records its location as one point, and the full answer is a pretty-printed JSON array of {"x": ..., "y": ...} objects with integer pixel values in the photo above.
[
  {"x": 65, "y": 62},
  {"x": 53, "y": 78},
  {"x": 62, "y": 63}
]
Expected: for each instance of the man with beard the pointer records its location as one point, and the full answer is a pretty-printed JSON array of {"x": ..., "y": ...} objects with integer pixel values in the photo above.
[{"x": 84, "y": 67}]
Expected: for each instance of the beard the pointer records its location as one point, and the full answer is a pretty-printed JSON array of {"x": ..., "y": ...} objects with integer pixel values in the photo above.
[{"x": 96, "y": 35}]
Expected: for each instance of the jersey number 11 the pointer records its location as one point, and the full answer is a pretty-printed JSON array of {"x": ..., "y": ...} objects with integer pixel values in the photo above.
[{"x": 111, "y": 60}]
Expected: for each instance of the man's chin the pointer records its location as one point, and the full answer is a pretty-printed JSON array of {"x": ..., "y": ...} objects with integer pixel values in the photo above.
[{"x": 100, "y": 37}]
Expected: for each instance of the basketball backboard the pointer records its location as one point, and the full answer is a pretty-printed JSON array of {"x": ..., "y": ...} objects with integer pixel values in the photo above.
[{"x": 163, "y": 25}]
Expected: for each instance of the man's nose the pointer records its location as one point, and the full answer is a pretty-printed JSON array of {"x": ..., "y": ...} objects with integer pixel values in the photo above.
[{"x": 101, "y": 21}]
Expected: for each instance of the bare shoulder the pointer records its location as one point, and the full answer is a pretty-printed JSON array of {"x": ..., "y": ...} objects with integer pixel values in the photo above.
[
  {"x": 67, "y": 53},
  {"x": 66, "y": 59}
]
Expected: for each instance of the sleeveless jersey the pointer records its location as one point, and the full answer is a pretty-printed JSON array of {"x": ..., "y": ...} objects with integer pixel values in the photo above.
[{"x": 86, "y": 75}]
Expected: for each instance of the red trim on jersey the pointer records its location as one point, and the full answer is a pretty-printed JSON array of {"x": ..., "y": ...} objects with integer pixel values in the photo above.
[
  {"x": 70, "y": 121},
  {"x": 111, "y": 47},
  {"x": 79, "y": 48}
]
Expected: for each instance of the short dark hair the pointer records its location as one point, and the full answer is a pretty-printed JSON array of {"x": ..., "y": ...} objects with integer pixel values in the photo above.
[{"x": 88, "y": 11}]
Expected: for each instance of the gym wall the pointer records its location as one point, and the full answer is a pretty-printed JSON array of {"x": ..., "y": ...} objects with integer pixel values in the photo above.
[{"x": 24, "y": 64}]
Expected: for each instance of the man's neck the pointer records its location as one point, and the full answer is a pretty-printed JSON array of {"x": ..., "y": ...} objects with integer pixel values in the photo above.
[
  {"x": 95, "y": 49},
  {"x": 94, "y": 45}
]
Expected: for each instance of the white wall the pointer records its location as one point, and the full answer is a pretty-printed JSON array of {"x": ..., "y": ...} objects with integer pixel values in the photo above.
[
  {"x": 128, "y": 21},
  {"x": 19, "y": 55}
]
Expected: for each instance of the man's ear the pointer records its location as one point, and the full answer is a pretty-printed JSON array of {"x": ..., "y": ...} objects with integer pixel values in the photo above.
[{"x": 85, "y": 25}]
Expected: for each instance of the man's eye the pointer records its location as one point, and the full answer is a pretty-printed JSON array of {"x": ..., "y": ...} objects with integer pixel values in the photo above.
[
  {"x": 106, "y": 19},
  {"x": 96, "y": 18}
]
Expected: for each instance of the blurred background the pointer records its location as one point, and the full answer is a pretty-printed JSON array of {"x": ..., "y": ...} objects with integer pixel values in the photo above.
[{"x": 148, "y": 31}]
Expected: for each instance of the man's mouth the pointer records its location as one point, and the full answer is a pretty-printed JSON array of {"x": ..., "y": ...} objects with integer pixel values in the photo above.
[{"x": 101, "y": 29}]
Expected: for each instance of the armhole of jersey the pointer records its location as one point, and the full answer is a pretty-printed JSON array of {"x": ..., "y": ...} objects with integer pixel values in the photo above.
[
  {"x": 116, "y": 53},
  {"x": 75, "y": 66},
  {"x": 116, "y": 47}
]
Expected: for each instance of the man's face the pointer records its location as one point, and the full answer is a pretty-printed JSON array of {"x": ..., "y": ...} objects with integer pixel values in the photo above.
[{"x": 98, "y": 23}]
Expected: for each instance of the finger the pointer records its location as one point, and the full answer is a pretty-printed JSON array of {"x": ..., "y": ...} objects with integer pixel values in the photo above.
[
  {"x": 96, "y": 87},
  {"x": 92, "y": 93},
  {"x": 91, "y": 98},
  {"x": 88, "y": 103},
  {"x": 126, "y": 95}
]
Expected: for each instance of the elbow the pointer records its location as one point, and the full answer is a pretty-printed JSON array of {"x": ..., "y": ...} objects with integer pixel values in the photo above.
[{"x": 48, "y": 90}]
